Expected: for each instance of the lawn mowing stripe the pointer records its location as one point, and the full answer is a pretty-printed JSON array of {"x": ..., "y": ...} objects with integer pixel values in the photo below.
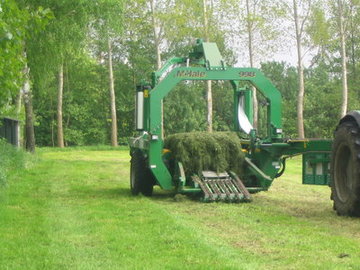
[{"x": 74, "y": 211}]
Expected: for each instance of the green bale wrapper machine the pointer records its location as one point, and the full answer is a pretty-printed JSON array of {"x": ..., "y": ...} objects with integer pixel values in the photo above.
[{"x": 263, "y": 158}]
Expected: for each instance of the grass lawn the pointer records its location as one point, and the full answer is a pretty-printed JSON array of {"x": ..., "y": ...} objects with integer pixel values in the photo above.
[{"x": 73, "y": 210}]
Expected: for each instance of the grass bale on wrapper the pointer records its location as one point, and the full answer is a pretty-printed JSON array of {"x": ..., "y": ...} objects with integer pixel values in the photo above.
[{"x": 200, "y": 151}]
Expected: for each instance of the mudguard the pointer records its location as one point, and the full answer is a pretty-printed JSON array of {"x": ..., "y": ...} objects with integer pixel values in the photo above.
[{"x": 353, "y": 116}]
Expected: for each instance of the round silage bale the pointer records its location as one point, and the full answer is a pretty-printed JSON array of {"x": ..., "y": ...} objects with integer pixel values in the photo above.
[{"x": 199, "y": 151}]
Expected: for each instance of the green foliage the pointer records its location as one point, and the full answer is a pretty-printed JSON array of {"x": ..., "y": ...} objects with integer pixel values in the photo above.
[
  {"x": 223, "y": 99},
  {"x": 85, "y": 105},
  {"x": 318, "y": 27},
  {"x": 322, "y": 100},
  {"x": 185, "y": 100},
  {"x": 75, "y": 34},
  {"x": 199, "y": 151},
  {"x": 12, "y": 33},
  {"x": 11, "y": 160},
  {"x": 188, "y": 100},
  {"x": 285, "y": 79}
]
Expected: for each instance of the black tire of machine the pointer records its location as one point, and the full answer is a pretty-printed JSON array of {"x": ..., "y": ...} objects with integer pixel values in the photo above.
[
  {"x": 141, "y": 178},
  {"x": 345, "y": 169}
]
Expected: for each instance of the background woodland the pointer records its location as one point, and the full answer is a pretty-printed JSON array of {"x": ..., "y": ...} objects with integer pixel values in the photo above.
[{"x": 68, "y": 69}]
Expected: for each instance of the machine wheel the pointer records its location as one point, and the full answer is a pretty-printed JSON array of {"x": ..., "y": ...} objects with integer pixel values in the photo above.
[
  {"x": 345, "y": 170},
  {"x": 141, "y": 178}
]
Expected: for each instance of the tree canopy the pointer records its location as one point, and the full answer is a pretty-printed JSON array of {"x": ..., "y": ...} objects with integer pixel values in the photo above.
[{"x": 40, "y": 39}]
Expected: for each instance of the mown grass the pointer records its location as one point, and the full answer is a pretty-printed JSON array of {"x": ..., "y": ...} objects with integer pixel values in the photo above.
[{"x": 73, "y": 210}]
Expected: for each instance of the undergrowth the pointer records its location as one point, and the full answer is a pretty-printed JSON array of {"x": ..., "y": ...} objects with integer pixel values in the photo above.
[{"x": 12, "y": 160}]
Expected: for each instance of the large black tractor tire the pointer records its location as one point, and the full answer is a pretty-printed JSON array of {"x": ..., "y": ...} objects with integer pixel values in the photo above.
[
  {"x": 141, "y": 178},
  {"x": 345, "y": 169}
]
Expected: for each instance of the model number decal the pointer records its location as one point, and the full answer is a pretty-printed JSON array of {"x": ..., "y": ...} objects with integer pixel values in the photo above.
[{"x": 247, "y": 74}]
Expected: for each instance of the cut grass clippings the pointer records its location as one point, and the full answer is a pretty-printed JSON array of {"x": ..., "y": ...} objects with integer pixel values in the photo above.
[
  {"x": 73, "y": 210},
  {"x": 201, "y": 151}
]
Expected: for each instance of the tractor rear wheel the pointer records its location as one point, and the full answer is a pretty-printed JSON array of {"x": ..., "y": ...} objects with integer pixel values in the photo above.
[
  {"x": 345, "y": 170},
  {"x": 141, "y": 178}
]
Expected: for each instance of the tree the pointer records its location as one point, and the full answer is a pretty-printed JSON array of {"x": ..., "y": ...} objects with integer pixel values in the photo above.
[
  {"x": 108, "y": 26},
  {"x": 340, "y": 14},
  {"x": 49, "y": 50},
  {"x": 60, "y": 130},
  {"x": 345, "y": 13},
  {"x": 208, "y": 83},
  {"x": 252, "y": 27},
  {"x": 158, "y": 39},
  {"x": 332, "y": 34},
  {"x": 300, "y": 16},
  {"x": 34, "y": 19},
  {"x": 13, "y": 21},
  {"x": 29, "y": 120},
  {"x": 261, "y": 32},
  {"x": 114, "y": 134},
  {"x": 109, "y": 29},
  {"x": 285, "y": 78},
  {"x": 300, "y": 97}
]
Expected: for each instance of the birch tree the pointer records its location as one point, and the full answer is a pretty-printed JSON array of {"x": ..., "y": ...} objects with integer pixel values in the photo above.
[
  {"x": 209, "y": 100},
  {"x": 252, "y": 28},
  {"x": 158, "y": 39},
  {"x": 29, "y": 115},
  {"x": 300, "y": 10},
  {"x": 114, "y": 132},
  {"x": 250, "y": 25},
  {"x": 262, "y": 34},
  {"x": 147, "y": 22},
  {"x": 340, "y": 13},
  {"x": 108, "y": 26},
  {"x": 301, "y": 91},
  {"x": 335, "y": 31},
  {"x": 50, "y": 49},
  {"x": 157, "y": 31},
  {"x": 60, "y": 130}
]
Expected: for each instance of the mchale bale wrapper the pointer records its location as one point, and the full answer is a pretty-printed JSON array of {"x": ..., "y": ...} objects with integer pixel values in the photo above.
[{"x": 225, "y": 166}]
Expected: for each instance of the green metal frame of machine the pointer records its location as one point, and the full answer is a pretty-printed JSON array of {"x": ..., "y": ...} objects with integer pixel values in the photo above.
[{"x": 265, "y": 157}]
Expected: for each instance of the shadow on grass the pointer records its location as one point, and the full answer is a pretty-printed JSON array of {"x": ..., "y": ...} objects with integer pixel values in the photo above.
[
  {"x": 118, "y": 192},
  {"x": 125, "y": 193},
  {"x": 99, "y": 193},
  {"x": 300, "y": 208},
  {"x": 122, "y": 193}
]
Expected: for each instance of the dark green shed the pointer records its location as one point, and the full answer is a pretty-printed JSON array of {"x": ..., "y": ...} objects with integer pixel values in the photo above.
[{"x": 9, "y": 130}]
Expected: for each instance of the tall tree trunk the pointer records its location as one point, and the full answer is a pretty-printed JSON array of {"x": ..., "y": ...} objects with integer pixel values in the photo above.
[
  {"x": 209, "y": 106},
  {"x": 60, "y": 131},
  {"x": 301, "y": 91},
  {"x": 353, "y": 31},
  {"x": 18, "y": 111},
  {"x": 18, "y": 103},
  {"x": 29, "y": 118},
  {"x": 343, "y": 59},
  {"x": 208, "y": 83},
  {"x": 251, "y": 58},
  {"x": 158, "y": 56},
  {"x": 114, "y": 135},
  {"x": 155, "y": 27}
]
